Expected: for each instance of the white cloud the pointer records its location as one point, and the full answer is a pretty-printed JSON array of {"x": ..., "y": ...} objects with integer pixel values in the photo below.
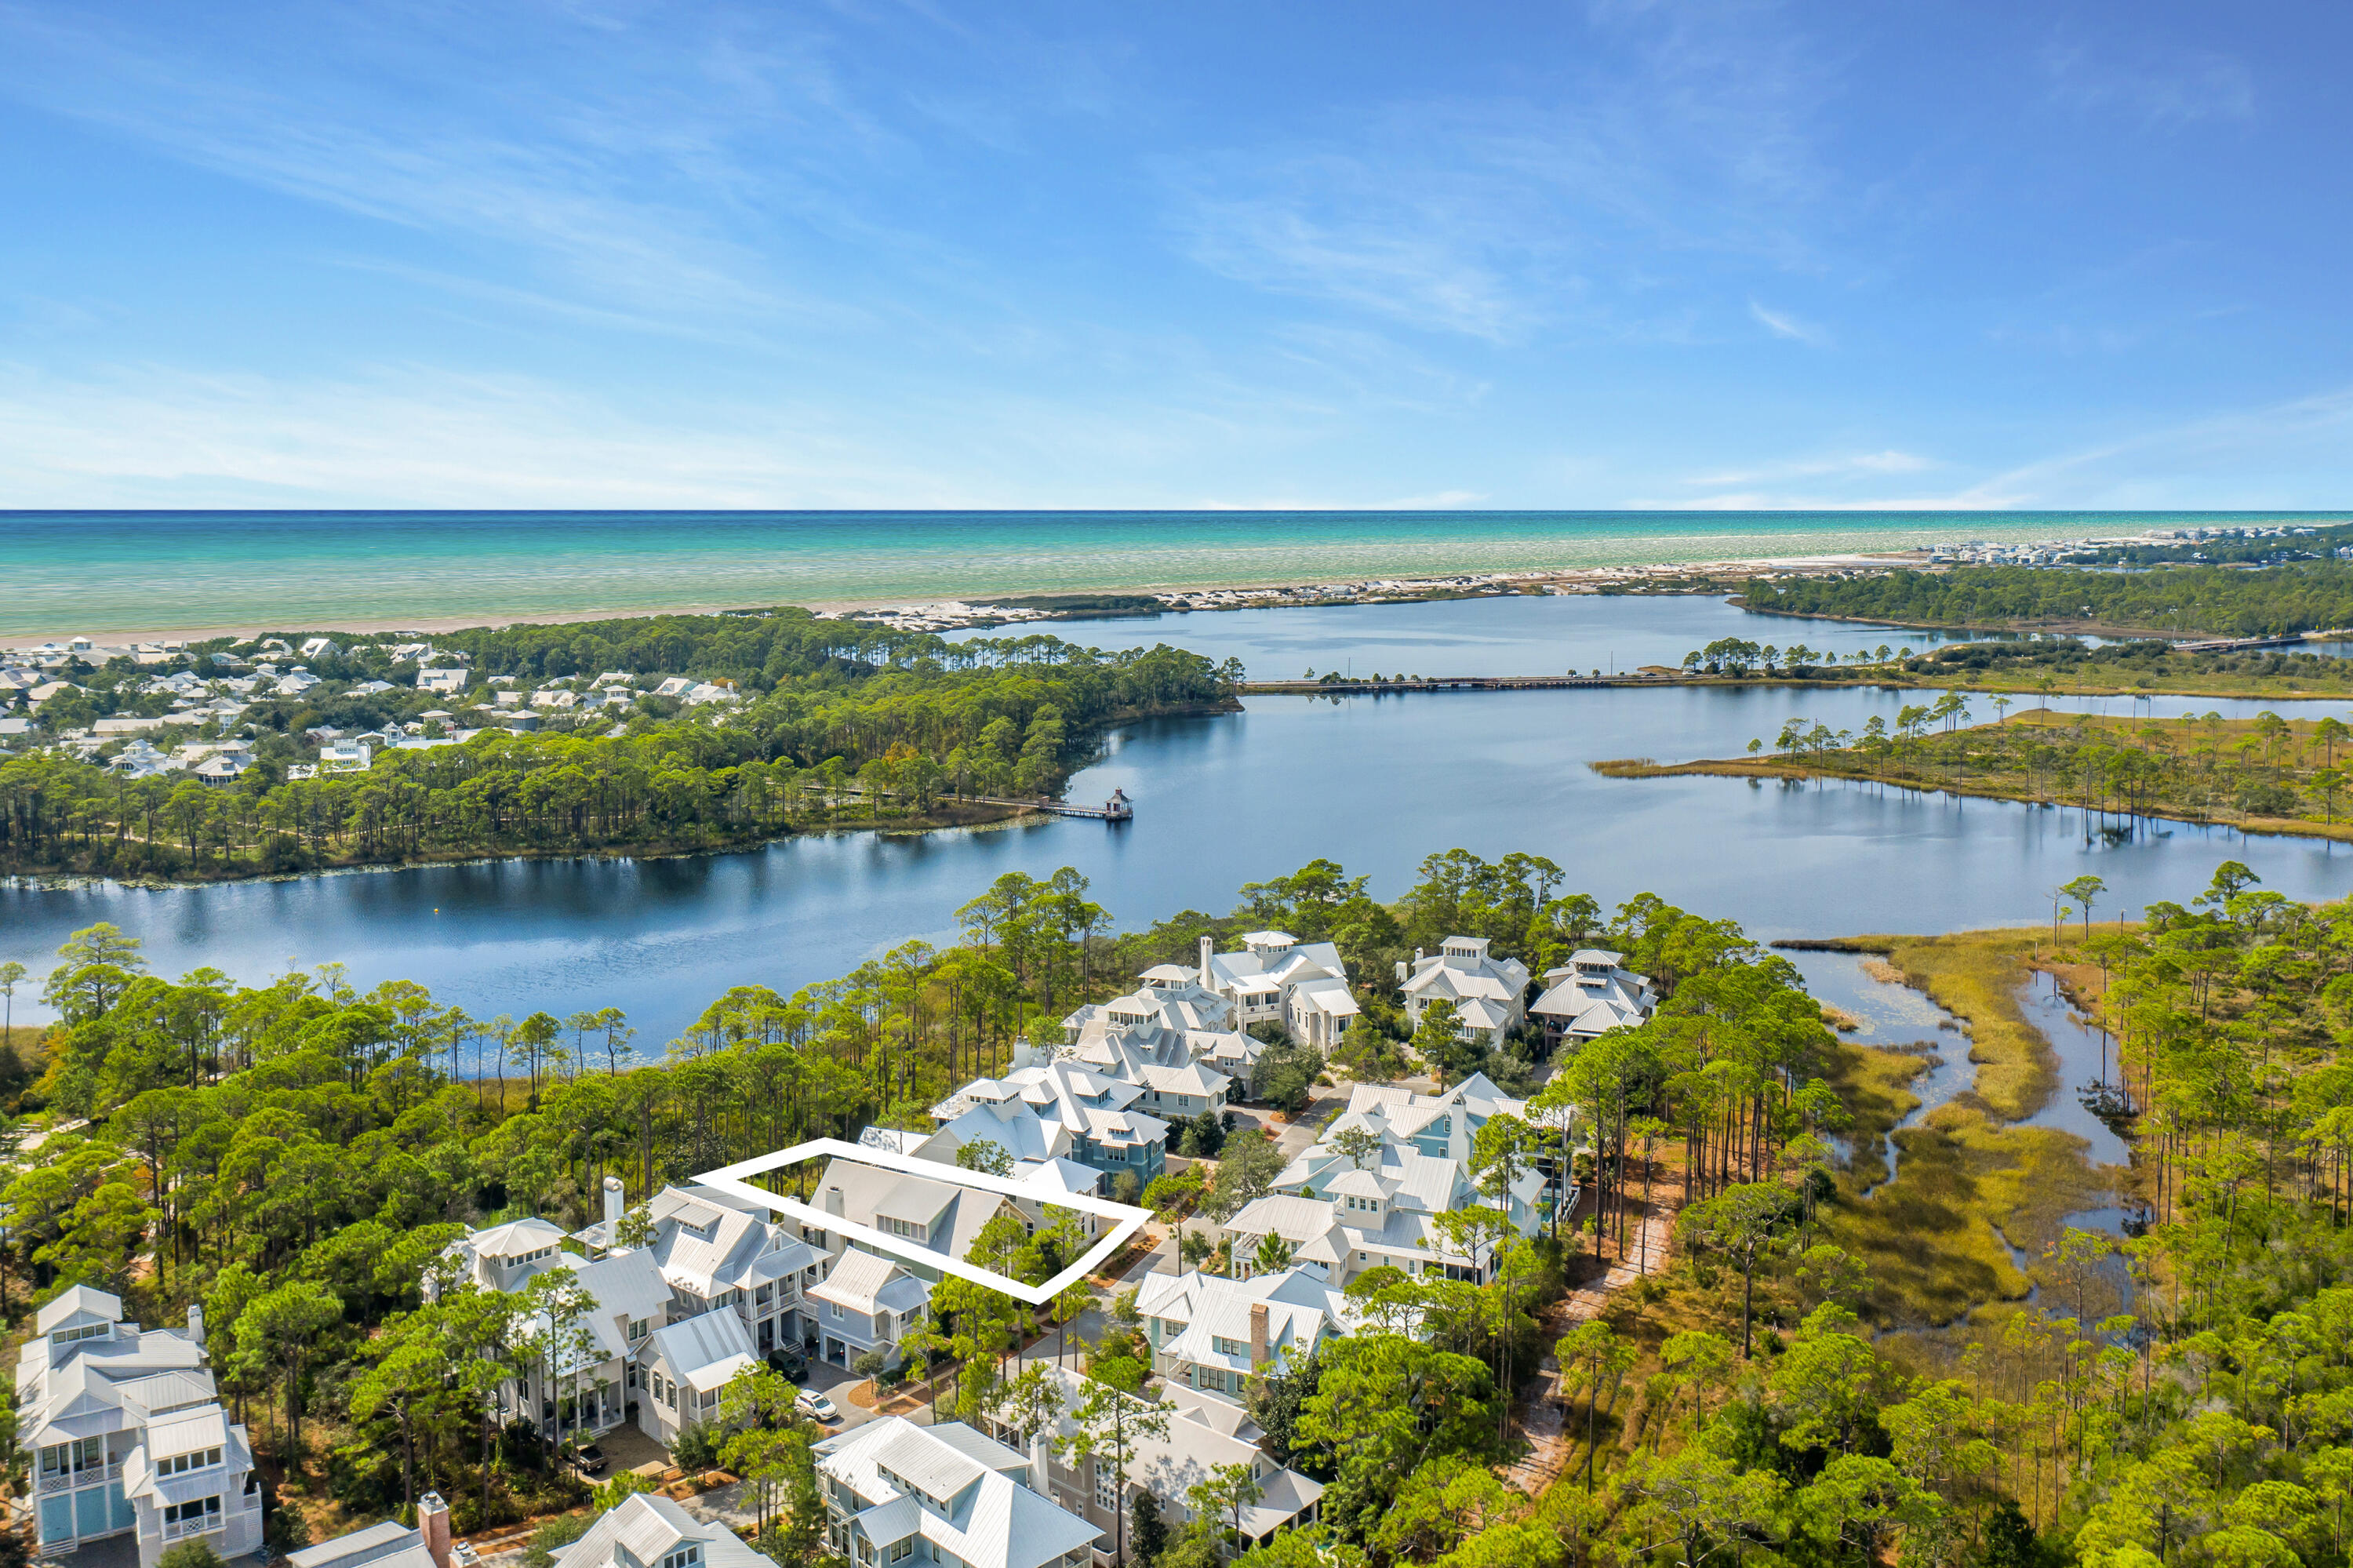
[
  {"x": 2142, "y": 81},
  {"x": 1888, "y": 461},
  {"x": 1781, "y": 323},
  {"x": 2289, "y": 455},
  {"x": 1684, "y": 140},
  {"x": 404, "y": 436}
]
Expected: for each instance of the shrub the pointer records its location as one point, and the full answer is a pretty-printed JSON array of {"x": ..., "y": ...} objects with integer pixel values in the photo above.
[
  {"x": 868, "y": 1365},
  {"x": 196, "y": 1554},
  {"x": 697, "y": 1447},
  {"x": 555, "y": 1532},
  {"x": 620, "y": 1490}
]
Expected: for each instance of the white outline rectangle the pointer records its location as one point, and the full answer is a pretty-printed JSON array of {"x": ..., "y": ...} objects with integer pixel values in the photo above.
[{"x": 730, "y": 1179}]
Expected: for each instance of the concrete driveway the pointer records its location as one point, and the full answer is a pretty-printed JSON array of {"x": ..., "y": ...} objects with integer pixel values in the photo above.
[{"x": 835, "y": 1382}]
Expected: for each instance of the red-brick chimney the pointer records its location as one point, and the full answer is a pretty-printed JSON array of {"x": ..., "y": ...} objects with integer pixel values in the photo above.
[{"x": 433, "y": 1524}]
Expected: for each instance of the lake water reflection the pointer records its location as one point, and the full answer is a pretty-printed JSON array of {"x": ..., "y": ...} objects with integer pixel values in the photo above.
[{"x": 1375, "y": 783}]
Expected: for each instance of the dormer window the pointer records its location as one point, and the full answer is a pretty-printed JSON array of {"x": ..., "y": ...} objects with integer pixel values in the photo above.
[
  {"x": 688, "y": 1554},
  {"x": 181, "y": 1464},
  {"x": 87, "y": 1331}
]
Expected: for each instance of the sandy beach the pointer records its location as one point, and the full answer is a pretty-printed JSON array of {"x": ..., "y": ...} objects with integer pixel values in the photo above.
[{"x": 1260, "y": 594}]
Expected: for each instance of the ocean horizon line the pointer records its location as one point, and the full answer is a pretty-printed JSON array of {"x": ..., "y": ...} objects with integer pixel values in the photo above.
[{"x": 147, "y": 574}]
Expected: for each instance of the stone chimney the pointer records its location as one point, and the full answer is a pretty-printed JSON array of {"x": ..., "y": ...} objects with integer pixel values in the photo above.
[
  {"x": 1207, "y": 946},
  {"x": 1038, "y": 1449},
  {"x": 196, "y": 1324},
  {"x": 612, "y": 1209},
  {"x": 433, "y": 1524},
  {"x": 1258, "y": 1335}
]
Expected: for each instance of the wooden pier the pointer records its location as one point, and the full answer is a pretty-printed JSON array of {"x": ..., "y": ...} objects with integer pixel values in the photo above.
[
  {"x": 2248, "y": 645},
  {"x": 1444, "y": 683},
  {"x": 1118, "y": 809}
]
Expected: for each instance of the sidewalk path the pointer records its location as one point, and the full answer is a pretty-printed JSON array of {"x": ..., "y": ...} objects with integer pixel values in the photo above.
[{"x": 1542, "y": 1414}]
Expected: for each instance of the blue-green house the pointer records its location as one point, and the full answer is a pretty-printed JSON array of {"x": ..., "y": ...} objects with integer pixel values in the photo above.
[{"x": 126, "y": 1435}]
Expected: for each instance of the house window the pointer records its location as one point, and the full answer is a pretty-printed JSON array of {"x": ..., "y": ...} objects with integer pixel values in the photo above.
[
  {"x": 87, "y": 1331},
  {"x": 640, "y": 1327},
  {"x": 686, "y": 1556},
  {"x": 1106, "y": 1488},
  {"x": 911, "y": 1229},
  {"x": 206, "y": 1509},
  {"x": 1212, "y": 1379},
  {"x": 181, "y": 1464},
  {"x": 69, "y": 1458},
  {"x": 902, "y": 1550},
  {"x": 833, "y": 1310}
]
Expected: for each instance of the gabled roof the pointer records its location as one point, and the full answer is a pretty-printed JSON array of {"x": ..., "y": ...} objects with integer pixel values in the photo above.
[
  {"x": 866, "y": 1282},
  {"x": 706, "y": 1243},
  {"x": 704, "y": 1352},
  {"x": 514, "y": 1238},
  {"x": 647, "y": 1528},
  {"x": 78, "y": 1304},
  {"x": 1205, "y": 1432},
  {"x": 390, "y": 1544},
  {"x": 1192, "y": 1078},
  {"x": 992, "y": 1521},
  {"x": 628, "y": 1287}
]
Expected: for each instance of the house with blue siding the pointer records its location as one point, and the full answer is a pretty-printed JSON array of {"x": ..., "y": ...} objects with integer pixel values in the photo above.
[
  {"x": 1057, "y": 1111},
  {"x": 127, "y": 1437}
]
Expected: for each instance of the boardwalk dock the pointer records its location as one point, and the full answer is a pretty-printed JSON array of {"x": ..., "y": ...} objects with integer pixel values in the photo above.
[
  {"x": 2248, "y": 645},
  {"x": 1444, "y": 683},
  {"x": 1118, "y": 809}
]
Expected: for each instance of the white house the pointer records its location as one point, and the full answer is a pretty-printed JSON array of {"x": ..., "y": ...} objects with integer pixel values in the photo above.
[
  {"x": 1337, "y": 1218},
  {"x": 1277, "y": 978},
  {"x": 684, "y": 1366},
  {"x": 650, "y": 1530},
  {"x": 867, "y": 1302},
  {"x": 1213, "y": 1335},
  {"x": 713, "y": 1251},
  {"x": 1205, "y": 1432},
  {"x": 1445, "y": 1124},
  {"x": 1591, "y": 994},
  {"x": 389, "y": 1544},
  {"x": 897, "y": 1493},
  {"x": 125, "y": 1436},
  {"x": 1489, "y": 993},
  {"x": 586, "y": 1386},
  {"x": 1062, "y": 1111},
  {"x": 1172, "y": 1021}
]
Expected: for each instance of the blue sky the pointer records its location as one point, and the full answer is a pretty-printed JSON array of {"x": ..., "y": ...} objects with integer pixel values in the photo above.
[{"x": 582, "y": 252}]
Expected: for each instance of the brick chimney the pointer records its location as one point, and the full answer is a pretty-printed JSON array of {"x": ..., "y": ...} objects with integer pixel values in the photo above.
[
  {"x": 433, "y": 1525},
  {"x": 1258, "y": 1335}
]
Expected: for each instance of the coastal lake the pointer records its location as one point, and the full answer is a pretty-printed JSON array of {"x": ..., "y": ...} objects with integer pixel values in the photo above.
[{"x": 1376, "y": 783}]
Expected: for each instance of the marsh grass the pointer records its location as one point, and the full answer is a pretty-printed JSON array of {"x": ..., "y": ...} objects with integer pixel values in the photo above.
[{"x": 1967, "y": 1176}]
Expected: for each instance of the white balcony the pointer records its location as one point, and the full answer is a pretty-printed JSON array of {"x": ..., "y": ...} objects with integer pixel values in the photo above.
[{"x": 179, "y": 1528}]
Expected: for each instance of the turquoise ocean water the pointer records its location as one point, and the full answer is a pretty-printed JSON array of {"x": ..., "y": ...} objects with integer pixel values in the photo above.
[{"x": 100, "y": 572}]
